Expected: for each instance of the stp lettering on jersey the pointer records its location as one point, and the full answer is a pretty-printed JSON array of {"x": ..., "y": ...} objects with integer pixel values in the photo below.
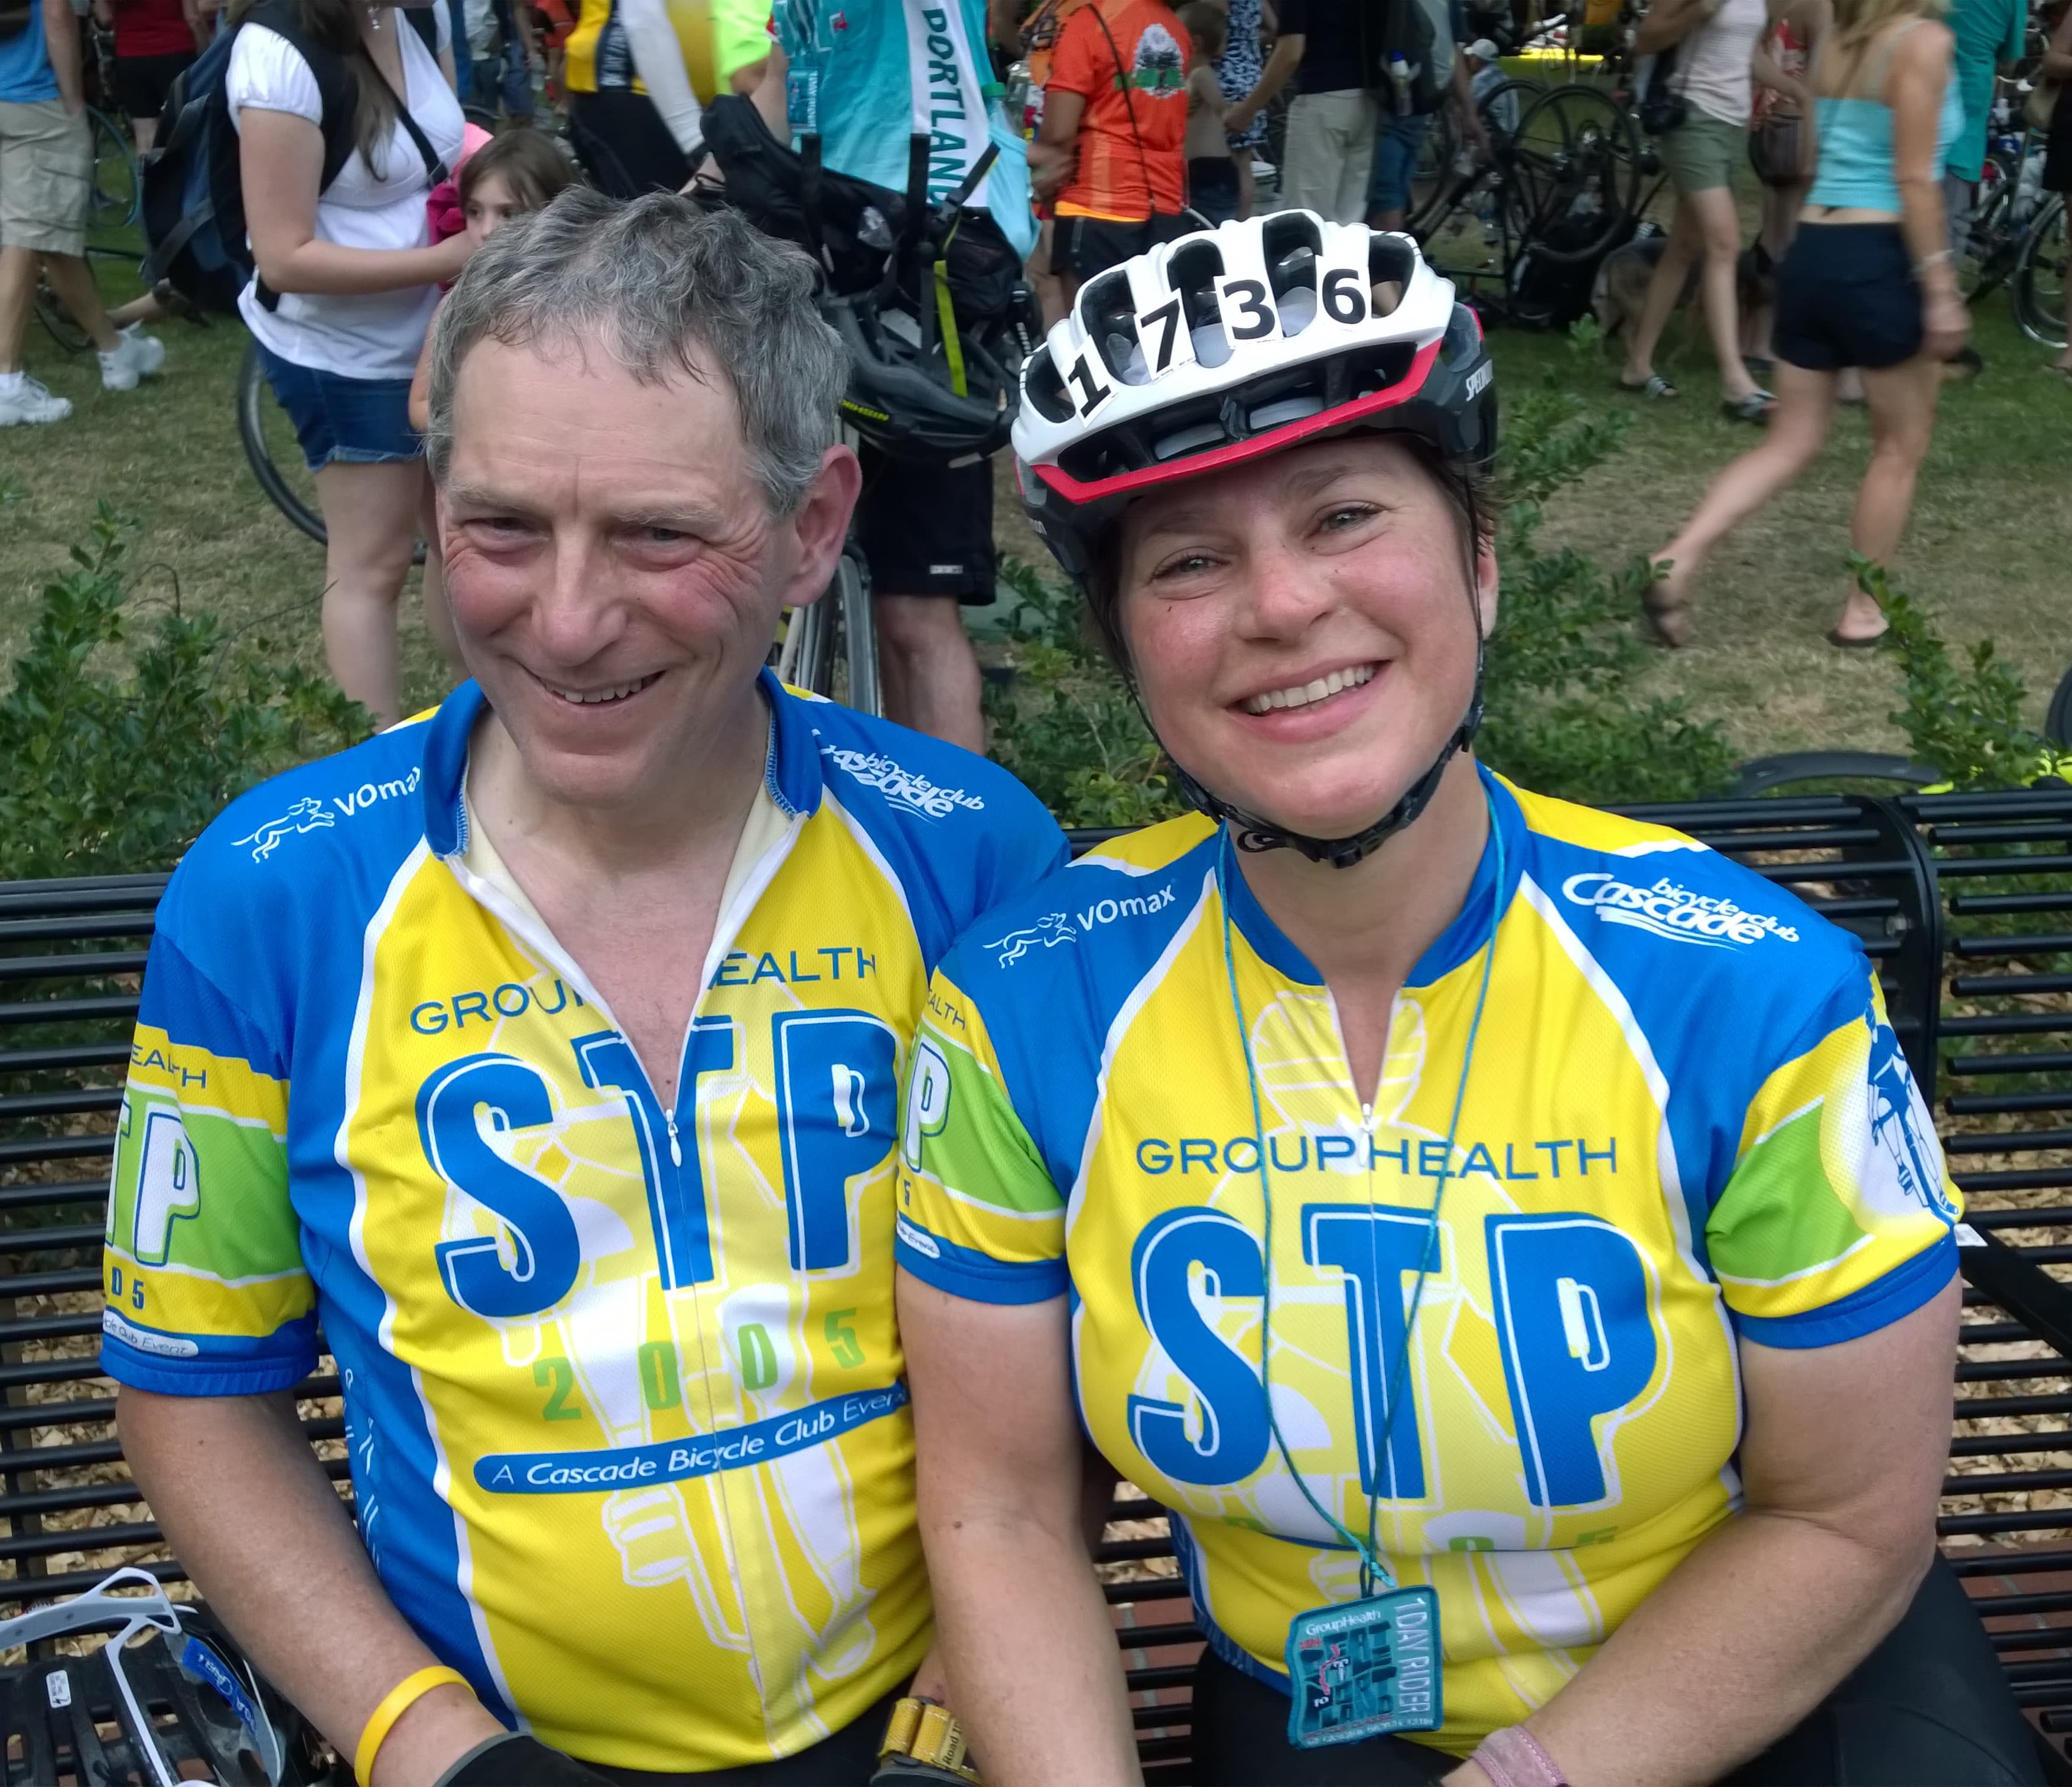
[
  {"x": 1687, "y": 1122},
  {"x": 623, "y": 1397}
]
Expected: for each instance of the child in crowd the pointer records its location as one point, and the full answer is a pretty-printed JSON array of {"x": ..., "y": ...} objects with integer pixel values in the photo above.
[
  {"x": 519, "y": 171},
  {"x": 1212, "y": 172}
]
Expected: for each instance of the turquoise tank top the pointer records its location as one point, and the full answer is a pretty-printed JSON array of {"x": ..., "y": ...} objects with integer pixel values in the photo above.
[{"x": 1856, "y": 166}]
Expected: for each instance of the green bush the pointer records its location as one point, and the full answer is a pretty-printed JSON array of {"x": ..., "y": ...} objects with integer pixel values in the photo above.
[
  {"x": 115, "y": 770},
  {"x": 1067, "y": 726},
  {"x": 1965, "y": 722}
]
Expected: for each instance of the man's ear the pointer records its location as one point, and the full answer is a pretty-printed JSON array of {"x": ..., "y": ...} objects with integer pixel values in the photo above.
[
  {"x": 820, "y": 524},
  {"x": 1486, "y": 580}
]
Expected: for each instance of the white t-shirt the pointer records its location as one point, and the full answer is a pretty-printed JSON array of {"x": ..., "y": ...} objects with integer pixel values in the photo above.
[
  {"x": 376, "y": 334},
  {"x": 1712, "y": 68}
]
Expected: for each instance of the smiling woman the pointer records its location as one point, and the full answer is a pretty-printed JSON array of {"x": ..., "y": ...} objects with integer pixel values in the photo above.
[{"x": 1505, "y": 1236}]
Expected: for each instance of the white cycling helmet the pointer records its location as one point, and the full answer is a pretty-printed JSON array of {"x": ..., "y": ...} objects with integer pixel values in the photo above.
[{"x": 1234, "y": 343}]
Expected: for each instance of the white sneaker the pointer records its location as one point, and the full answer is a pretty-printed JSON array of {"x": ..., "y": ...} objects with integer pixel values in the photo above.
[
  {"x": 135, "y": 356},
  {"x": 29, "y": 401}
]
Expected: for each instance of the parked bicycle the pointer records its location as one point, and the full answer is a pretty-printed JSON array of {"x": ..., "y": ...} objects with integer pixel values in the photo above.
[{"x": 1564, "y": 182}]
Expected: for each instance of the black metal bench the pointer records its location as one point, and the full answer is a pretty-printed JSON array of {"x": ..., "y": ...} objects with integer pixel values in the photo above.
[{"x": 1963, "y": 901}]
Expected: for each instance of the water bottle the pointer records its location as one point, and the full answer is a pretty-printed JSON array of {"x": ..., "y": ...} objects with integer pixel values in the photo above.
[
  {"x": 1016, "y": 99},
  {"x": 1400, "y": 74}
]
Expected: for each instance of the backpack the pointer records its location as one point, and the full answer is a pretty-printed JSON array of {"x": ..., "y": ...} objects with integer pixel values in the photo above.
[
  {"x": 194, "y": 196},
  {"x": 853, "y": 228},
  {"x": 14, "y": 17}
]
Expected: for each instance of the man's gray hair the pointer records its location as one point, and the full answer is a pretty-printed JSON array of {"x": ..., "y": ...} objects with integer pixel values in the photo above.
[{"x": 656, "y": 282}]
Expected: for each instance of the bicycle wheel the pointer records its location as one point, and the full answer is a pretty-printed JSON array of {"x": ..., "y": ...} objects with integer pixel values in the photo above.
[
  {"x": 270, "y": 444},
  {"x": 117, "y": 194},
  {"x": 859, "y": 629},
  {"x": 1984, "y": 262},
  {"x": 2039, "y": 277},
  {"x": 1573, "y": 185},
  {"x": 57, "y": 321},
  {"x": 1434, "y": 171}
]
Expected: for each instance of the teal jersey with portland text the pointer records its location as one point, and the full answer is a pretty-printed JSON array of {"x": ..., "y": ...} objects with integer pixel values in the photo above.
[{"x": 870, "y": 77}]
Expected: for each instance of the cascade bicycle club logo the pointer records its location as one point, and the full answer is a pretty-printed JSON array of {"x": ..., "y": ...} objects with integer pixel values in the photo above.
[
  {"x": 1667, "y": 910},
  {"x": 901, "y": 786},
  {"x": 306, "y": 815}
]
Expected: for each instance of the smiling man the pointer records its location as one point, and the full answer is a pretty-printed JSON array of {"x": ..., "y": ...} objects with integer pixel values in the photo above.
[{"x": 543, "y": 1052}]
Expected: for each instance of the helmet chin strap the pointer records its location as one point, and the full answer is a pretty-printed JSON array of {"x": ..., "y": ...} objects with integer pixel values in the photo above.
[{"x": 1256, "y": 833}]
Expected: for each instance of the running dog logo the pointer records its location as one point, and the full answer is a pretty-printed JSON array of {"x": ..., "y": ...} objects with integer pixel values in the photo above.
[
  {"x": 1048, "y": 932},
  {"x": 305, "y": 815}
]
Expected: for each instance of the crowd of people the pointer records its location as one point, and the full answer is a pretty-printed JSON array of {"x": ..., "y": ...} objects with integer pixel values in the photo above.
[{"x": 1865, "y": 121}]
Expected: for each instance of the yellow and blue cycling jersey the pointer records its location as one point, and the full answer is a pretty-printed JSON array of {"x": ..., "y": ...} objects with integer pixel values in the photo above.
[
  {"x": 1687, "y": 1122},
  {"x": 624, "y": 1393}
]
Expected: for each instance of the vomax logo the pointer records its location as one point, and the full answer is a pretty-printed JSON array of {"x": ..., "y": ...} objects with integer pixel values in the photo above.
[
  {"x": 1107, "y": 911},
  {"x": 1669, "y": 911}
]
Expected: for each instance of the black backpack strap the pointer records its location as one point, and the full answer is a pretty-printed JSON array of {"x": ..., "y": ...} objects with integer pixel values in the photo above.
[{"x": 337, "y": 91}]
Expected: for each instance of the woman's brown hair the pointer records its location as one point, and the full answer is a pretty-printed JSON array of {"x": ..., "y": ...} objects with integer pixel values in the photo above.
[{"x": 527, "y": 163}]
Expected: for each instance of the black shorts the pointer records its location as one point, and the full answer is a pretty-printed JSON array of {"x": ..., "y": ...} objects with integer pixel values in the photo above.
[
  {"x": 927, "y": 529},
  {"x": 142, "y": 82},
  {"x": 1212, "y": 187},
  {"x": 1929, "y": 1703},
  {"x": 1847, "y": 296},
  {"x": 1087, "y": 246},
  {"x": 624, "y": 146}
]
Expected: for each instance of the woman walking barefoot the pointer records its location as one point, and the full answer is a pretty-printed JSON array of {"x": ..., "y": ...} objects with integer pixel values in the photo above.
[{"x": 1867, "y": 283}]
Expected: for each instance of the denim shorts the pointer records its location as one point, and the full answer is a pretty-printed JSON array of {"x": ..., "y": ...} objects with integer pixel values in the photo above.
[
  {"x": 1396, "y": 147},
  {"x": 357, "y": 421}
]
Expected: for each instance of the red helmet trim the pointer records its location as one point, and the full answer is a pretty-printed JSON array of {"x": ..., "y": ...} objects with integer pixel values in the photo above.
[{"x": 1238, "y": 452}]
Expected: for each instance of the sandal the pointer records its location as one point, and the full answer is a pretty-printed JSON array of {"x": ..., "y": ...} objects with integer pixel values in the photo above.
[
  {"x": 1669, "y": 620},
  {"x": 1757, "y": 407},
  {"x": 1857, "y": 642},
  {"x": 1655, "y": 385},
  {"x": 1757, "y": 366}
]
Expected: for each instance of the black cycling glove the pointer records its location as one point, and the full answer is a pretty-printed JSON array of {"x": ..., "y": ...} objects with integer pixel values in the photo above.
[
  {"x": 903, "y": 1771},
  {"x": 515, "y": 1760}
]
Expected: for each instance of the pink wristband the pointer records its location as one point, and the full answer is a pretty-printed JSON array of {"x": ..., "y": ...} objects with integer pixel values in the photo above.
[{"x": 1511, "y": 1757}]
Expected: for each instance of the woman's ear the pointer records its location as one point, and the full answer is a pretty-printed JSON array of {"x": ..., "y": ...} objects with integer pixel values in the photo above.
[{"x": 1486, "y": 580}]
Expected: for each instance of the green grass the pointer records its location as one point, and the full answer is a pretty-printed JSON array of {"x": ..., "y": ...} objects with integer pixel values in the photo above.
[{"x": 1986, "y": 548}]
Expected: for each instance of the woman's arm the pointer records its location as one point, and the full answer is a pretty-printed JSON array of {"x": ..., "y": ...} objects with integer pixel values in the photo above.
[
  {"x": 1914, "y": 90},
  {"x": 1021, "y": 1625},
  {"x": 421, "y": 383},
  {"x": 2057, "y": 65},
  {"x": 1286, "y": 59},
  {"x": 1841, "y": 1465},
  {"x": 282, "y": 164},
  {"x": 1054, "y": 154},
  {"x": 253, "y": 1518},
  {"x": 657, "y": 58}
]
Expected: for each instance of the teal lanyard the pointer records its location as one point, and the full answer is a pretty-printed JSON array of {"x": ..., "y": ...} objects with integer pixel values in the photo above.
[{"x": 1372, "y": 1569}]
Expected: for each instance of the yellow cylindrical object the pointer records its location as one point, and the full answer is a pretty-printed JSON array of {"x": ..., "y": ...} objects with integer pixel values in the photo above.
[{"x": 692, "y": 19}]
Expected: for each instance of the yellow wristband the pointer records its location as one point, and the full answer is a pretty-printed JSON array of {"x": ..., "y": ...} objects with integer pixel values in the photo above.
[{"x": 396, "y": 1702}]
